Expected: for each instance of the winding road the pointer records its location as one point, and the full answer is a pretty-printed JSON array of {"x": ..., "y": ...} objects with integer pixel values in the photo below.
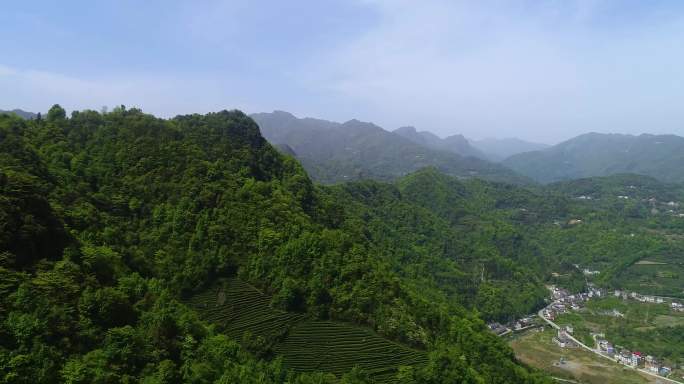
[{"x": 555, "y": 326}]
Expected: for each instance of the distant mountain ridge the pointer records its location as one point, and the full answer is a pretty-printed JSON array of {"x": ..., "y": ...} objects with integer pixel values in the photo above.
[
  {"x": 596, "y": 154},
  {"x": 455, "y": 143},
  {"x": 21, "y": 113},
  {"x": 333, "y": 152},
  {"x": 500, "y": 149}
]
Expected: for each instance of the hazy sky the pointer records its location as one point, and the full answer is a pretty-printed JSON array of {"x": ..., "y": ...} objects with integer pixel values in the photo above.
[{"x": 539, "y": 70}]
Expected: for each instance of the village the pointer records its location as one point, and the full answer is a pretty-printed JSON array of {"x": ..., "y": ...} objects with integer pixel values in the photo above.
[
  {"x": 564, "y": 302},
  {"x": 671, "y": 208}
]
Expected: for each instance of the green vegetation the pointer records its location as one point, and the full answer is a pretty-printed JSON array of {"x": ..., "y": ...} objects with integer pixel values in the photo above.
[
  {"x": 134, "y": 248},
  {"x": 337, "y": 348},
  {"x": 663, "y": 279},
  {"x": 245, "y": 314},
  {"x": 239, "y": 308},
  {"x": 110, "y": 222},
  {"x": 624, "y": 219}
]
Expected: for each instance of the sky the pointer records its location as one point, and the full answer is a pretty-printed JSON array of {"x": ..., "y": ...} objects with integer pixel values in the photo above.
[{"x": 538, "y": 70}]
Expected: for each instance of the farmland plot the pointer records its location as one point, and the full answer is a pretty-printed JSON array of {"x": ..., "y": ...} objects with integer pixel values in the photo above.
[{"x": 304, "y": 344}]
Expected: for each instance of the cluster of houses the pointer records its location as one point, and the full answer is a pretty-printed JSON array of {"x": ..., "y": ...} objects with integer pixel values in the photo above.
[
  {"x": 638, "y": 297},
  {"x": 563, "y": 301},
  {"x": 498, "y": 328},
  {"x": 671, "y": 207},
  {"x": 563, "y": 338},
  {"x": 675, "y": 306},
  {"x": 517, "y": 325},
  {"x": 524, "y": 323},
  {"x": 634, "y": 359}
]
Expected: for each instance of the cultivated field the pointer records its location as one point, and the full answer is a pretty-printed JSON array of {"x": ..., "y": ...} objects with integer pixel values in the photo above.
[
  {"x": 237, "y": 307},
  {"x": 304, "y": 344},
  {"x": 538, "y": 350},
  {"x": 658, "y": 276}
]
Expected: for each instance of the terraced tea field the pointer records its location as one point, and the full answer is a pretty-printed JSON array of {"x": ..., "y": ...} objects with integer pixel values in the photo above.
[
  {"x": 305, "y": 345},
  {"x": 239, "y": 307},
  {"x": 337, "y": 348}
]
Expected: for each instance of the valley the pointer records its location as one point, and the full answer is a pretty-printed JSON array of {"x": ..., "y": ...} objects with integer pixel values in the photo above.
[
  {"x": 342, "y": 192},
  {"x": 234, "y": 248}
]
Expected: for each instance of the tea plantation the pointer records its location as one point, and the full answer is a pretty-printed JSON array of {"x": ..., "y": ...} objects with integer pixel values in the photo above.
[{"x": 304, "y": 344}]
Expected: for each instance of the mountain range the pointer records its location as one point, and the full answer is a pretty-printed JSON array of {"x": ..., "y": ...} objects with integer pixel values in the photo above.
[
  {"x": 140, "y": 249},
  {"x": 596, "y": 154},
  {"x": 455, "y": 143},
  {"x": 491, "y": 149},
  {"x": 134, "y": 248},
  {"x": 333, "y": 152}
]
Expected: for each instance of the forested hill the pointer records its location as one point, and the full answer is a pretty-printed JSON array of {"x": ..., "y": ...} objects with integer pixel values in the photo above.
[
  {"x": 111, "y": 222},
  {"x": 594, "y": 154},
  {"x": 333, "y": 152}
]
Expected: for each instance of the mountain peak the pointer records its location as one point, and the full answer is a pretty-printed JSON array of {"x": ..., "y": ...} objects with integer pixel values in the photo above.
[{"x": 406, "y": 129}]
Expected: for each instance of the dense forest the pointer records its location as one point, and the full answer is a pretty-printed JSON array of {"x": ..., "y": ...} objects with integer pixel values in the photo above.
[
  {"x": 112, "y": 225},
  {"x": 110, "y": 221}
]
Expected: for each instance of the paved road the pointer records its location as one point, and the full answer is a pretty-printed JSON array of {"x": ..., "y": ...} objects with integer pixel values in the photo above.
[{"x": 555, "y": 326}]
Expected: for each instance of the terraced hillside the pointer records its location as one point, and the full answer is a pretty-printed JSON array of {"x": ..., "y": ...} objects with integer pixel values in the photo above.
[
  {"x": 305, "y": 345},
  {"x": 337, "y": 348},
  {"x": 238, "y": 307}
]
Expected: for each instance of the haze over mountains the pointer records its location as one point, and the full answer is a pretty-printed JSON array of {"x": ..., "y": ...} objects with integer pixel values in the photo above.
[
  {"x": 596, "y": 154},
  {"x": 492, "y": 149},
  {"x": 454, "y": 143},
  {"x": 130, "y": 232},
  {"x": 21, "y": 113},
  {"x": 334, "y": 152},
  {"x": 500, "y": 149}
]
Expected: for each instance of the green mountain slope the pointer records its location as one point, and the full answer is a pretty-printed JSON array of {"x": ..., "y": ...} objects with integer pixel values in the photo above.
[
  {"x": 305, "y": 345},
  {"x": 116, "y": 219},
  {"x": 435, "y": 229},
  {"x": 333, "y": 152},
  {"x": 593, "y": 154}
]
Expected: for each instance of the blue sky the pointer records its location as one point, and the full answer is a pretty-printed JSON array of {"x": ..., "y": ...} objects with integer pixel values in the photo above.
[{"x": 539, "y": 70}]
